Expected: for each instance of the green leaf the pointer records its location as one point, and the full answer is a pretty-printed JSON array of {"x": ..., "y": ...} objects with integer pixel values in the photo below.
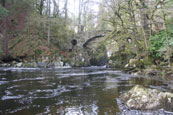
[{"x": 158, "y": 41}]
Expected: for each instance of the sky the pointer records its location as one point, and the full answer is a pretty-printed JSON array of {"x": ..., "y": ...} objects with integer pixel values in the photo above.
[{"x": 74, "y": 9}]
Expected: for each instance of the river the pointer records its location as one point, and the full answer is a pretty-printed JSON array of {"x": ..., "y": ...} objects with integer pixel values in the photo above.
[{"x": 66, "y": 91}]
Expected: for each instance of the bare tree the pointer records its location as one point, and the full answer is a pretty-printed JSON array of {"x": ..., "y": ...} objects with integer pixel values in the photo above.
[
  {"x": 65, "y": 11},
  {"x": 40, "y": 6},
  {"x": 79, "y": 15},
  {"x": 56, "y": 8}
]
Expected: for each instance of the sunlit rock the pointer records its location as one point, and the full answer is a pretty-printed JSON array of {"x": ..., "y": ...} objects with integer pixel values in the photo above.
[
  {"x": 127, "y": 65},
  {"x": 132, "y": 62},
  {"x": 58, "y": 64},
  {"x": 19, "y": 64},
  {"x": 143, "y": 98}
]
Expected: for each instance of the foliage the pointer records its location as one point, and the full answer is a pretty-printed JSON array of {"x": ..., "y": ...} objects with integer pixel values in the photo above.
[
  {"x": 99, "y": 51},
  {"x": 158, "y": 42},
  {"x": 21, "y": 3},
  {"x": 3, "y": 11},
  {"x": 38, "y": 52},
  {"x": 62, "y": 35}
]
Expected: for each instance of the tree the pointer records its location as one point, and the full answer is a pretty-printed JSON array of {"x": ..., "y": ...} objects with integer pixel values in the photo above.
[
  {"x": 3, "y": 11},
  {"x": 166, "y": 32},
  {"x": 79, "y": 16},
  {"x": 49, "y": 13},
  {"x": 66, "y": 10},
  {"x": 101, "y": 17},
  {"x": 4, "y": 31},
  {"x": 56, "y": 8},
  {"x": 40, "y": 6},
  {"x": 133, "y": 20}
]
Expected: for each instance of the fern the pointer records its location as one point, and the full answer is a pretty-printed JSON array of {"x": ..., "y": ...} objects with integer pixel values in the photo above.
[{"x": 158, "y": 42}]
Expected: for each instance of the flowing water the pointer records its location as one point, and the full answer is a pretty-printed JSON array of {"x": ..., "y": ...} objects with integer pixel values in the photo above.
[{"x": 68, "y": 91}]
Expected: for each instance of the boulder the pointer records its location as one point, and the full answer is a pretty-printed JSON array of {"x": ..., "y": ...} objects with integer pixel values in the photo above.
[
  {"x": 124, "y": 110},
  {"x": 58, "y": 64},
  {"x": 13, "y": 62},
  {"x": 19, "y": 64},
  {"x": 5, "y": 65},
  {"x": 42, "y": 64},
  {"x": 132, "y": 61},
  {"x": 141, "y": 98},
  {"x": 151, "y": 72},
  {"x": 135, "y": 63},
  {"x": 33, "y": 64}
]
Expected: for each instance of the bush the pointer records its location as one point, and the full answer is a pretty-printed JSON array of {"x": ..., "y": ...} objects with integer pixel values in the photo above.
[{"x": 158, "y": 43}]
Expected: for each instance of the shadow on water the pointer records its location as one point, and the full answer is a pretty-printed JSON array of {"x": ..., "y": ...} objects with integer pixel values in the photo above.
[{"x": 69, "y": 91}]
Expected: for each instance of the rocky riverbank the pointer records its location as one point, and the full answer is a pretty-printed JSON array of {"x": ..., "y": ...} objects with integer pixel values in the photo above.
[
  {"x": 141, "y": 67},
  {"x": 34, "y": 64}
]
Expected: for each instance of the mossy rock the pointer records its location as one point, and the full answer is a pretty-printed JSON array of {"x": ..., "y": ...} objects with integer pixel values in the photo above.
[
  {"x": 132, "y": 61},
  {"x": 142, "y": 98},
  {"x": 136, "y": 63}
]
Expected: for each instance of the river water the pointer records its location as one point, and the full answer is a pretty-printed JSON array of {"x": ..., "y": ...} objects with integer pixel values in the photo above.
[{"x": 68, "y": 91}]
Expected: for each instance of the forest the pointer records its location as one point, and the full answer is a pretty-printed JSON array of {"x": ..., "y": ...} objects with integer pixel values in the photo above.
[
  {"x": 88, "y": 37},
  {"x": 32, "y": 30}
]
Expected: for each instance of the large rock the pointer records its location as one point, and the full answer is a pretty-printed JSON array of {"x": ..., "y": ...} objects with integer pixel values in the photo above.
[
  {"x": 132, "y": 62},
  {"x": 42, "y": 64},
  {"x": 142, "y": 98},
  {"x": 19, "y": 64},
  {"x": 58, "y": 64},
  {"x": 5, "y": 65},
  {"x": 124, "y": 110}
]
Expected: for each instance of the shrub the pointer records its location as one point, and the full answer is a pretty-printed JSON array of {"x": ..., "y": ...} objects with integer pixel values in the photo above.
[{"x": 158, "y": 43}]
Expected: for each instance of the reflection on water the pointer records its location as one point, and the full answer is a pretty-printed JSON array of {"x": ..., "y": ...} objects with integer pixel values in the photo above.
[{"x": 72, "y": 91}]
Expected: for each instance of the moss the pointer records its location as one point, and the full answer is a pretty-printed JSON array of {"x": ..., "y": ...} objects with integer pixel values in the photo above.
[
  {"x": 79, "y": 64},
  {"x": 98, "y": 56},
  {"x": 143, "y": 98},
  {"x": 27, "y": 65},
  {"x": 148, "y": 61},
  {"x": 17, "y": 42},
  {"x": 38, "y": 52}
]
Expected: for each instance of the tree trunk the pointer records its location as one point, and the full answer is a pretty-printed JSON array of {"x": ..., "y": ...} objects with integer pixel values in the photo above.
[
  {"x": 41, "y": 7},
  {"x": 80, "y": 13},
  {"x": 66, "y": 12},
  {"x": 167, "y": 41},
  {"x": 56, "y": 8},
  {"x": 74, "y": 17},
  {"x": 48, "y": 33},
  {"x": 4, "y": 31},
  {"x": 133, "y": 22},
  {"x": 144, "y": 22}
]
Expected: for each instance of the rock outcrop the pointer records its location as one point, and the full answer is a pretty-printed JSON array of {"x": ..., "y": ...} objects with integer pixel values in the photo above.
[{"x": 141, "y": 98}]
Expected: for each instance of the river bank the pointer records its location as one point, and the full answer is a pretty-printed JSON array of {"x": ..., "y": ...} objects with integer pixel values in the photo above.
[
  {"x": 155, "y": 71},
  {"x": 130, "y": 68},
  {"x": 35, "y": 64}
]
